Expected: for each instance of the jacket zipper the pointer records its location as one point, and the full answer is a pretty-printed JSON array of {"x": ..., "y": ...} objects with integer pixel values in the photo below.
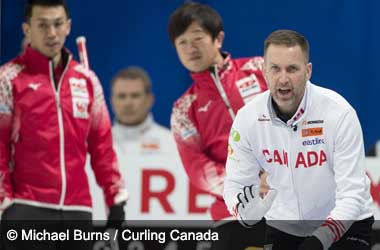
[
  {"x": 222, "y": 93},
  {"x": 291, "y": 170},
  {"x": 60, "y": 127}
]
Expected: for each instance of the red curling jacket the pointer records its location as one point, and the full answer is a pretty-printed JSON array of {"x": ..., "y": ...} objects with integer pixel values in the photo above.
[
  {"x": 201, "y": 122},
  {"x": 47, "y": 126}
]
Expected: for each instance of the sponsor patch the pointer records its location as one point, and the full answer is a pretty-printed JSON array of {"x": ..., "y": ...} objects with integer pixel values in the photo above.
[
  {"x": 304, "y": 123},
  {"x": 80, "y": 108},
  {"x": 314, "y": 141},
  {"x": 263, "y": 118},
  {"x": 80, "y": 97},
  {"x": 248, "y": 87},
  {"x": 231, "y": 154},
  {"x": 235, "y": 135},
  {"x": 230, "y": 150},
  {"x": 186, "y": 133},
  {"x": 150, "y": 145},
  {"x": 312, "y": 132},
  {"x": 78, "y": 87}
]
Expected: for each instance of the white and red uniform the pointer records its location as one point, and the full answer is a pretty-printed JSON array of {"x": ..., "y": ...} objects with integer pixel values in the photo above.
[
  {"x": 151, "y": 166},
  {"x": 47, "y": 126},
  {"x": 315, "y": 161},
  {"x": 201, "y": 122}
]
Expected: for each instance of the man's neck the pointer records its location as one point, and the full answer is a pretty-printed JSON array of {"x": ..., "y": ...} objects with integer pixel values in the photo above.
[
  {"x": 219, "y": 59},
  {"x": 57, "y": 59},
  {"x": 284, "y": 116}
]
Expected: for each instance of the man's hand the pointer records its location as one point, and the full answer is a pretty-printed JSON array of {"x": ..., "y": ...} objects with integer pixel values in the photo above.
[
  {"x": 251, "y": 208},
  {"x": 264, "y": 187},
  {"x": 5, "y": 203},
  {"x": 116, "y": 216},
  {"x": 311, "y": 243}
]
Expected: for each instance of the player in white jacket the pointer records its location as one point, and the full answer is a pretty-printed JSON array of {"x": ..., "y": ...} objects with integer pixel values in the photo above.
[
  {"x": 309, "y": 141},
  {"x": 148, "y": 159}
]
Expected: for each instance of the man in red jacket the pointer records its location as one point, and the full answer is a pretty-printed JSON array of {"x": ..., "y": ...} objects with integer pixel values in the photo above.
[
  {"x": 52, "y": 112},
  {"x": 203, "y": 115}
]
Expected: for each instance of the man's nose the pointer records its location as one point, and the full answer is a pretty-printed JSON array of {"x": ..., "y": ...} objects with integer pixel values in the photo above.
[
  {"x": 51, "y": 31},
  {"x": 283, "y": 78}
]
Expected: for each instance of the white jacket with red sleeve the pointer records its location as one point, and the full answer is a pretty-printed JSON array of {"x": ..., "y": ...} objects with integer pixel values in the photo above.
[{"x": 315, "y": 161}]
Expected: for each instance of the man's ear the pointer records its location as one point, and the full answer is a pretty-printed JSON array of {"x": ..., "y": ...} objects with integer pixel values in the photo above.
[
  {"x": 151, "y": 100},
  {"x": 219, "y": 39},
  {"x": 264, "y": 71},
  {"x": 69, "y": 27},
  {"x": 309, "y": 70},
  {"x": 26, "y": 29}
]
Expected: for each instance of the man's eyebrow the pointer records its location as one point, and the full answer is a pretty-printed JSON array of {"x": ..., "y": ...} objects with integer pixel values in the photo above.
[
  {"x": 197, "y": 30},
  {"x": 47, "y": 19}
]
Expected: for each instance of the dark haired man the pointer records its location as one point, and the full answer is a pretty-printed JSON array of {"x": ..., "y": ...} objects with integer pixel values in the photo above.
[
  {"x": 203, "y": 115},
  {"x": 52, "y": 112}
]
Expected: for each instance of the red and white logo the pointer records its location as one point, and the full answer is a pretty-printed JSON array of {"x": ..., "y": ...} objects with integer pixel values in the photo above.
[
  {"x": 248, "y": 87},
  {"x": 34, "y": 86},
  {"x": 80, "y": 97}
]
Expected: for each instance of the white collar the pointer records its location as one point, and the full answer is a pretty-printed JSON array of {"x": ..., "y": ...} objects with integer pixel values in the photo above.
[
  {"x": 126, "y": 131},
  {"x": 301, "y": 110}
]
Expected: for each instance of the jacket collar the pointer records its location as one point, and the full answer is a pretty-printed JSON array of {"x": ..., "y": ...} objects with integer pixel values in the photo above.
[
  {"x": 128, "y": 132},
  {"x": 301, "y": 110},
  {"x": 39, "y": 63},
  {"x": 205, "y": 77}
]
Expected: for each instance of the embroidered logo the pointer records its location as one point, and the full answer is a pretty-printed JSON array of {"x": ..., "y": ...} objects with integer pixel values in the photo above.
[
  {"x": 34, "y": 86},
  {"x": 312, "y": 132},
  {"x": 205, "y": 107},
  {"x": 80, "y": 97}
]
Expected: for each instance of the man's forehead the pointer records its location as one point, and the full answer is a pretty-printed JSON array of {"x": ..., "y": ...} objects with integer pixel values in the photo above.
[
  {"x": 284, "y": 53},
  {"x": 129, "y": 84},
  {"x": 194, "y": 28},
  {"x": 48, "y": 13}
]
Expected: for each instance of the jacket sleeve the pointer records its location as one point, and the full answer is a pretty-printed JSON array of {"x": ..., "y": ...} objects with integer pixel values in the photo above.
[
  {"x": 6, "y": 118},
  {"x": 352, "y": 184},
  {"x": 102, "y": 156},
  {"x": 242, "y": 168},
  {"x": 204, "y": 173}
]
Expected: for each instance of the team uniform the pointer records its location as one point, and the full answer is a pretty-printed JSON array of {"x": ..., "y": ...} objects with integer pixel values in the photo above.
[
  {"x": 151, "y": 166},
  {"x": 49, "y": 119},
  {"x": 202, "y": 118},
  {"x": 315, "y": 161}
]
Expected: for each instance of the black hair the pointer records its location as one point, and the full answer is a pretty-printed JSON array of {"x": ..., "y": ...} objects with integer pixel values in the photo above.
[
  {"x": 208, "y": 18},
  {"x": 46, "y": 3}
]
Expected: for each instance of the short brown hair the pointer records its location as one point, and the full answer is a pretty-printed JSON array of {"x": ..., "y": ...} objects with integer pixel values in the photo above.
[
  {"x": 289, "y": 38},
  {"x": 134, "y": 72}
]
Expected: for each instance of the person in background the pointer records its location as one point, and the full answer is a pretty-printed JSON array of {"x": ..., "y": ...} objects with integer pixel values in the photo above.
[
  {"x": 202, "y": 117},
  {"x": 147, "y": 154},
  {"x": 52, "y": 112}
]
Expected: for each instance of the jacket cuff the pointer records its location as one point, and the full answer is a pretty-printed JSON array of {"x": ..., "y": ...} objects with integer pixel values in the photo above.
[
  {"x": 7, "y": 202},
  {"x": 325, "y": 236},
  {"x": 120, "y": 197}
]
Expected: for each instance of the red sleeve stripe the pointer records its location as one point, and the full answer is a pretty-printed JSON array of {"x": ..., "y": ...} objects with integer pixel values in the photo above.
[
  {"x": 339, "y": 224},
  {"x": 332, "y": 230},
  {"x": 335, "y": 228},
  {"x": 234, "y": 211},
  {"x": 340, "y": 232}
]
